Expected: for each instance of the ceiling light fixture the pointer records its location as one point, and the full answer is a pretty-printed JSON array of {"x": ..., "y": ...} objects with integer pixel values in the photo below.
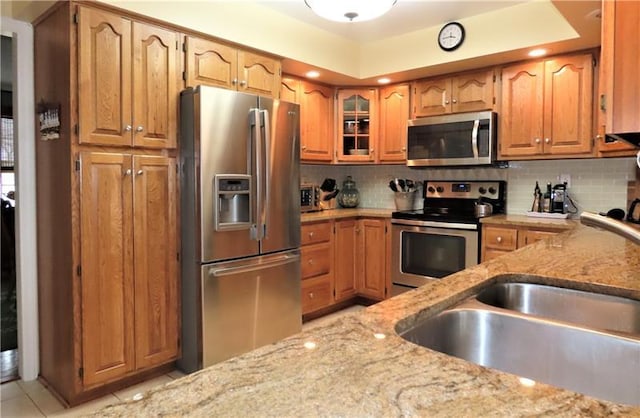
[
  {"x": 350, "y": 10},
  {"x": 537, "y": 52},
  {"x": 312, "y": 74},
  {"x": 384, "y": 80}
]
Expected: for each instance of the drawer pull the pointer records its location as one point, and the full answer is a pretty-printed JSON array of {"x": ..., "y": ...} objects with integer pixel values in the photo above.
[
  {"x": 499, "y": 239},
  {"x": 310, "y": 295},
  {"x": 311, "y": 234},
  {"x": 310, "y": 261}
]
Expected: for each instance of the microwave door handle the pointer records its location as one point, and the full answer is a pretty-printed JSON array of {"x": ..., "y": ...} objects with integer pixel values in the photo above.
[
  {"x": 255, "y": 146},
  {"x": 474, "y": 138},
  {"x": 267, "y": 170}
]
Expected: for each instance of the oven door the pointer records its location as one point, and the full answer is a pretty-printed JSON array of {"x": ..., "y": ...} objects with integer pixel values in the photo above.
[{"x": 423, "y": 251}]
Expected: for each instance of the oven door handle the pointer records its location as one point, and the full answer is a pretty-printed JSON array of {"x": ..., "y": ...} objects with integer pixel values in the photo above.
[{"x": 474, "y": 138}]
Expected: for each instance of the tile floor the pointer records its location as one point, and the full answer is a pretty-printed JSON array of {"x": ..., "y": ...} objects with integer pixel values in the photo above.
[{"x": 31, "y": 399}]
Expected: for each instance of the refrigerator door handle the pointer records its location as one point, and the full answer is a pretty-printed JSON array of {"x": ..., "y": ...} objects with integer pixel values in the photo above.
[
  {"x": 228, "y": 271},
  {"x": 267, "y": 169},
  {"x": 257, "y": 229}
]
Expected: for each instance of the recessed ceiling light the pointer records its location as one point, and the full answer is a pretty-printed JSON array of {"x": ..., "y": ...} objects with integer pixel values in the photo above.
[
  {"x": 312, "y": 74},
  {"x": 537, "y": 52},
  {"x": 384, "y": 80}
]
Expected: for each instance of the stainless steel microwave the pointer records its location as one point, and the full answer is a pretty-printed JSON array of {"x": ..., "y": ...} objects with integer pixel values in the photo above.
[{"x": 450, "y": 140}]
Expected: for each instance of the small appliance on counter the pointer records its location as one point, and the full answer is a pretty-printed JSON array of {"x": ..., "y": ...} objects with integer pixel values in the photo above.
[
  {"x": 309, "y": 197},
  {"x": 328, "y": 194},
  {"x": 553, "y": 203}
]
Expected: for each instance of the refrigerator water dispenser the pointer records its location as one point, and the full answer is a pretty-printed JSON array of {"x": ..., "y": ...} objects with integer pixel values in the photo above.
[{"x": 233, "y": 201}]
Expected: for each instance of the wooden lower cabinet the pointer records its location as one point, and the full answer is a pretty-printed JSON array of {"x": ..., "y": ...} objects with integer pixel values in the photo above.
[
  {"x": 499, "y": 240},
  {"x": 128, "y": 242},
  {"x": 346, "y": 256},
  {"x": 343, "y": 259},
  {"x": 372, "y": 258}
]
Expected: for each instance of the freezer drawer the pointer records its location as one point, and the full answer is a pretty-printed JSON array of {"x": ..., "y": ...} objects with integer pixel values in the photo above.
[{"x": 249, "y": 303}]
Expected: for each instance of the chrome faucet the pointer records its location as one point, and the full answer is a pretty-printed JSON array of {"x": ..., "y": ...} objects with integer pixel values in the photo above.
[{"x": 611, "y": 225}]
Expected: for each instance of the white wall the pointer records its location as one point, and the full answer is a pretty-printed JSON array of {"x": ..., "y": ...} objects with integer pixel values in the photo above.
[{"x": 596, "y": 184}]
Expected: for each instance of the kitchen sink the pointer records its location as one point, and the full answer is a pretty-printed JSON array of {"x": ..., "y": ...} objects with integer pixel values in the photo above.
[
  {"x": 589, "y": 361},
  {"x": 593, "y": 310}
]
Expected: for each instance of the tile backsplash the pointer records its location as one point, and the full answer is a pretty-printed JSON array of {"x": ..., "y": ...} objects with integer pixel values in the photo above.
[{"x": 596, "y": 184}]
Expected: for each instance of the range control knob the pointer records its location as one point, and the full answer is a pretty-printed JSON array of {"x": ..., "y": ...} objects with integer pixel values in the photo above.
[
  {"x": 440, "y": 189},
  {"x": 482, "y": 190},
  {"x": 430, "y": 189},
  {"x": 492, "y": 190}
]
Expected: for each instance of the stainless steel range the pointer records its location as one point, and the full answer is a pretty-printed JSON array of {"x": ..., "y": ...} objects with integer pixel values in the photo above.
[{"x": 443, "y": 237}]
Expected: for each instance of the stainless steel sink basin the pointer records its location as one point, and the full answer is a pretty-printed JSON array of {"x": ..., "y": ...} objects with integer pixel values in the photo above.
[
  {"x": 581, "y": 308},
  {"x": 587, "y": 361}
]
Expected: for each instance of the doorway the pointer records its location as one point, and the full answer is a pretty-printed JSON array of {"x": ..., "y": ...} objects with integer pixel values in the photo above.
[
  {"x": 23, "y": 117},
  {"x": 8, "y": 287}
]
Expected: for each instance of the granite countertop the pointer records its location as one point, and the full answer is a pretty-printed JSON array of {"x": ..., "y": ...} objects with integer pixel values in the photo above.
[
  {"x": 351, "y": 371},
  {"x": 530, "y": 221},
  {"x": 329, "y": 214}
]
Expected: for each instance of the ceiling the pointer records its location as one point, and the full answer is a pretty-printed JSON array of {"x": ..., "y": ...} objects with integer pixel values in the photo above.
[
  {"x": 405, "y": 16},
  {"x": 409, "y": 16},
  {"x": 399, "y": 45}
]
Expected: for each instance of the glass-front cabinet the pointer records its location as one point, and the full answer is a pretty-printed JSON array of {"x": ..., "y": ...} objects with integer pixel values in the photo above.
[{"x": 357, "y": 125}]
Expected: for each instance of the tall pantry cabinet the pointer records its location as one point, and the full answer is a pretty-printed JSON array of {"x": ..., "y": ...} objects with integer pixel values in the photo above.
[{"x": 107, "y": 199}]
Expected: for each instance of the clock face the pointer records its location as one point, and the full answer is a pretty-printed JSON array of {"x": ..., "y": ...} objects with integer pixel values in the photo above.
[{"x": 451, "y": 36}]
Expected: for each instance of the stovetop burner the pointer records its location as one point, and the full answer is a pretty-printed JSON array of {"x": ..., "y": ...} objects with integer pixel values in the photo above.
[{"x": 454, "y": 201}]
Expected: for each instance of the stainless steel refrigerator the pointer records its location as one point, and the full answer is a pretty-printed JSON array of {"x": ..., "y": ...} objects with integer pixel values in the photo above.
[{"x": 240, "y": 222}]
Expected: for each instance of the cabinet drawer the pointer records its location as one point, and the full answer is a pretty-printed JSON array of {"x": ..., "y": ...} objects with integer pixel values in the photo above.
[
  {"x": 314, "y": 233},
  {"x": 529, "y": 237},
  {"x": 316, "y": 293},
  {"x": 501, "y": 238},
  {"x": 316, "y": 260}
]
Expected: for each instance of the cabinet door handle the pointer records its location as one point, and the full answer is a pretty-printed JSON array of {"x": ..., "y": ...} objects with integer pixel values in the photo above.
[
  {"x": 127, "y": 128},
  {"x": 404, "y": 149},
  {"x": 499, "y": 239},
  {"x": 547, "y": 140},
  {"x": 454, "y": 101},
  {"x": 140, "y": 172},
  {"x": 537, "y": 140},
  {"x": 139, "y": 129},
  {"x": 234, "y": 81},
  {"x": 127, "y": 172},
  {"x": 304, "y": 148},
  {"x": 372, "y": 151},
  {"x": 243, "y": 83},
  {"x": 310, "y": 295},
  {"x": 446, "y": 102}
]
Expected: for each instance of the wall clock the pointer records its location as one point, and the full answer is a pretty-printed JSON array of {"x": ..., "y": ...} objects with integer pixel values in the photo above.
[{"x": 451, "y": 36}]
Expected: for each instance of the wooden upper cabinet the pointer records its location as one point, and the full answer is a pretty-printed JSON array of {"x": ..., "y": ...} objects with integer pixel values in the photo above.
[
  {"x": 619, "y": 77},
  {"x": 127, "y": 81},
  {"x": 155, "y": 86},
  {"x": 394, "y": 114},
  {"x": 466, "y": 92},
  {"x": 216, "y": 64},
  {"x": 258, "y": 74},
  {"x": 210, "y": 63},
  {"x": 547, "y": 108},
  {"x": 107, "y": 282},
  {"x": 522, "y": 109},
  {"x": 290, "y": 89},
  {"x": 104, "y": 77},
  {"x": 568, "y": 105},
  {"x": 357, "y": 136},
  {"x": 316, "y": 122},
  {"x": 155, "y": 239}
]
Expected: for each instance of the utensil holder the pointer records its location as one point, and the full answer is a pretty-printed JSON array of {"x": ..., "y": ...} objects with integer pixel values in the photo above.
[{"x": 404, "y": 200}]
